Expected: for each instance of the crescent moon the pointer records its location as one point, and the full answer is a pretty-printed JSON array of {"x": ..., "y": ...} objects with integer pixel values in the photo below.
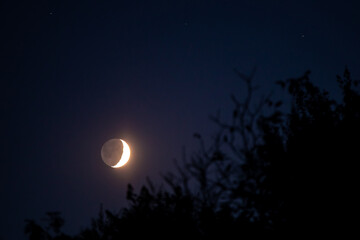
[
  {"x": 115, "y": 153},
  {"x": 125, "y": 155}
]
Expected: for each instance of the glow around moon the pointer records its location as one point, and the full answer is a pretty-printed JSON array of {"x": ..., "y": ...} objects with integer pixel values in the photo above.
[{"x": 115, "y": 153}]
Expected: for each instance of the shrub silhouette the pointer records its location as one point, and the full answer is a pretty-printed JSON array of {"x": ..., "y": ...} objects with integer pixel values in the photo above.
[{"x": 266, "y": 173}]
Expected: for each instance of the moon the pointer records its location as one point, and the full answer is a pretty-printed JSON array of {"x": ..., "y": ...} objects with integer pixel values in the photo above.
[{"x": 115, "y": 153}]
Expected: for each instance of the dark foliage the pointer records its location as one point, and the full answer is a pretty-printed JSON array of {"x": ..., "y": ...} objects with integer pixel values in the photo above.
[{"x": 266, "y": 173}]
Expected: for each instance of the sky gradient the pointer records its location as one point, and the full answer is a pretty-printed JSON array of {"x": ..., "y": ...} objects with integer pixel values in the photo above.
[{"x": 75, "y": 74}]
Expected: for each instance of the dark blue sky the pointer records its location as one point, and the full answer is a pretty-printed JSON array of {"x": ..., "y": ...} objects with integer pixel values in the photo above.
[{"x": 77, "y": 73}]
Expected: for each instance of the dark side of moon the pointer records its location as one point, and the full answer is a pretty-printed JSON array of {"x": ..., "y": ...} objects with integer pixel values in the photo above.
[{"x": 112, "y": 152}]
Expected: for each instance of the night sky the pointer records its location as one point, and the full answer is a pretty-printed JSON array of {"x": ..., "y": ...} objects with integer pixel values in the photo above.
[{"x": 75, "y": 74}]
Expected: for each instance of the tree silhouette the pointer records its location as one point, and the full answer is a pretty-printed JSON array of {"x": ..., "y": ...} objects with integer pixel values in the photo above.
[
  {"x": 51, "y": 231},
  {"x": 266, "y": 172}
]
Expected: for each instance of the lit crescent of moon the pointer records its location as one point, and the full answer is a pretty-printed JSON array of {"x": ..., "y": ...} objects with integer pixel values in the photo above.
[{"x": 125, "y": 155}]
